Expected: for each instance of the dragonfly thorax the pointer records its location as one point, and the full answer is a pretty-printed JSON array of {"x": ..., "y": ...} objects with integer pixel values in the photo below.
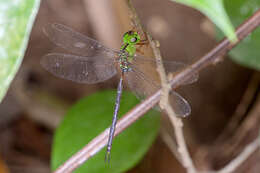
[{"x": 124, "y": 59}]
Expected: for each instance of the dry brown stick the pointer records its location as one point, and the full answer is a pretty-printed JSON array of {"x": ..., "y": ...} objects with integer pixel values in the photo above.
[
  {"x": 129, "y": 118},
  {"x": 216, "y": 54},
  {"x": 243, "y": 156},
  {"x": 249, "y": 150},
  {"x": 171, "y": 144},
  {"x": 135, "y": 19},
  {"x": 184, "y": 158},
  {"x": 243, "y": 134},
  {"x": 164, "y": 104},
  {"x": 241, "y": 109},
  {"x": 247, "y": 131}
]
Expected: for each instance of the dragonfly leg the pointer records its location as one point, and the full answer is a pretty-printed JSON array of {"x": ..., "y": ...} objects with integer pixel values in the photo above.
[
  {"x": 142, "y": 43},
  {"x": 114, "y": 121},
  {"x": 139, "y": 49}
]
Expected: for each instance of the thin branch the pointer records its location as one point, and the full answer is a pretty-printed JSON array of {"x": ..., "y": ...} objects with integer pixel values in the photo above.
[
  {"x": 249, "y": 150},
  {"x": 135, "y": 19},
  {"x": 241, "y": 109},
  {"x": 171, "y": 144},
  {"x": 217, "y": 54},
  {"x": 164, "y": 103},
  {"x": 249, "y": 126},
  {"x": 214, "y": 56},
  {"x": 243, "y": 156},
  {"x": 182, "y": 147}
]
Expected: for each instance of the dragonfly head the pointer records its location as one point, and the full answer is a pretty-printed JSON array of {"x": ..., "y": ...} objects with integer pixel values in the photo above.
[{"x": 131, "y": 38}]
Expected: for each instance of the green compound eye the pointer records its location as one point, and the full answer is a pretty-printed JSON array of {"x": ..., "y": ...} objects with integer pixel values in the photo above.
[{"x": 131, "y": 37}]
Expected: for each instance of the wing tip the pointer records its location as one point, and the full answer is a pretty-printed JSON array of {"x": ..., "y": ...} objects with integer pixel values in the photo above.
[
  {"x": 43, "y": 62},
  {"x": 50, "y": 28}
]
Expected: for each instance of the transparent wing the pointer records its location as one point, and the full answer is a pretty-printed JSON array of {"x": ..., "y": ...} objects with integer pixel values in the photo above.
[
  {"x": 143, "y": 86},
  {"x": 75, "y": 42},
  {"x": 79, "y": 69},
  {"x": 170, "y": 66}
]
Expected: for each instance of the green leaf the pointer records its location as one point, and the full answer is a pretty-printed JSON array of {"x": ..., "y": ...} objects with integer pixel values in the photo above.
[
  {"x": 92, "y": 115},
  {"x": 17, "y": 18},
  {"x": 247, "y": 52},
  {"x": 214, "y": 9}
]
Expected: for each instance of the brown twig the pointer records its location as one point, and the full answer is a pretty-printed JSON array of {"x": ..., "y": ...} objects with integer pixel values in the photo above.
[
  {"x": 249, "y": 150},
  {"x": 235, "y": 163},
  {"x": 164, "y": 104},
  {"x": 135, "y": 19},
  {"x": 171, "y": 144},
  {"x": 248, "y": 131},
  {"x": 214, "y": 56},
  {"x": 241, "y": 109}
]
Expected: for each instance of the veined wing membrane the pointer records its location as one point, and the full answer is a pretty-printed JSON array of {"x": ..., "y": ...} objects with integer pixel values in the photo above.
[
  {"x": 79, "y": 69},
  {"x": 75, "y": 42},
  {"x": 170, "y": 66},
  {"x": 143, "y": 86}
]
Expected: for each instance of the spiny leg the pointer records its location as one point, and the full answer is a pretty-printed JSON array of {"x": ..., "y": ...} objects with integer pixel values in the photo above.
[
  {"x": 114, "y": 120},
  {"x": 142, "y": 43}
]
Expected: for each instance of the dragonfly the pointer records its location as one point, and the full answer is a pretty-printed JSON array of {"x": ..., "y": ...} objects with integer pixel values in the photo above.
[{"x": 92, "y": 62}]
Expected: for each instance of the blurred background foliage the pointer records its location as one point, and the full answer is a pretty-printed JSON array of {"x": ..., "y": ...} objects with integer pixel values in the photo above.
[
  {"x": 224, "y": 101},
  {"x": 16, "y": 22},
  {"x": 246, "y": 53}
]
